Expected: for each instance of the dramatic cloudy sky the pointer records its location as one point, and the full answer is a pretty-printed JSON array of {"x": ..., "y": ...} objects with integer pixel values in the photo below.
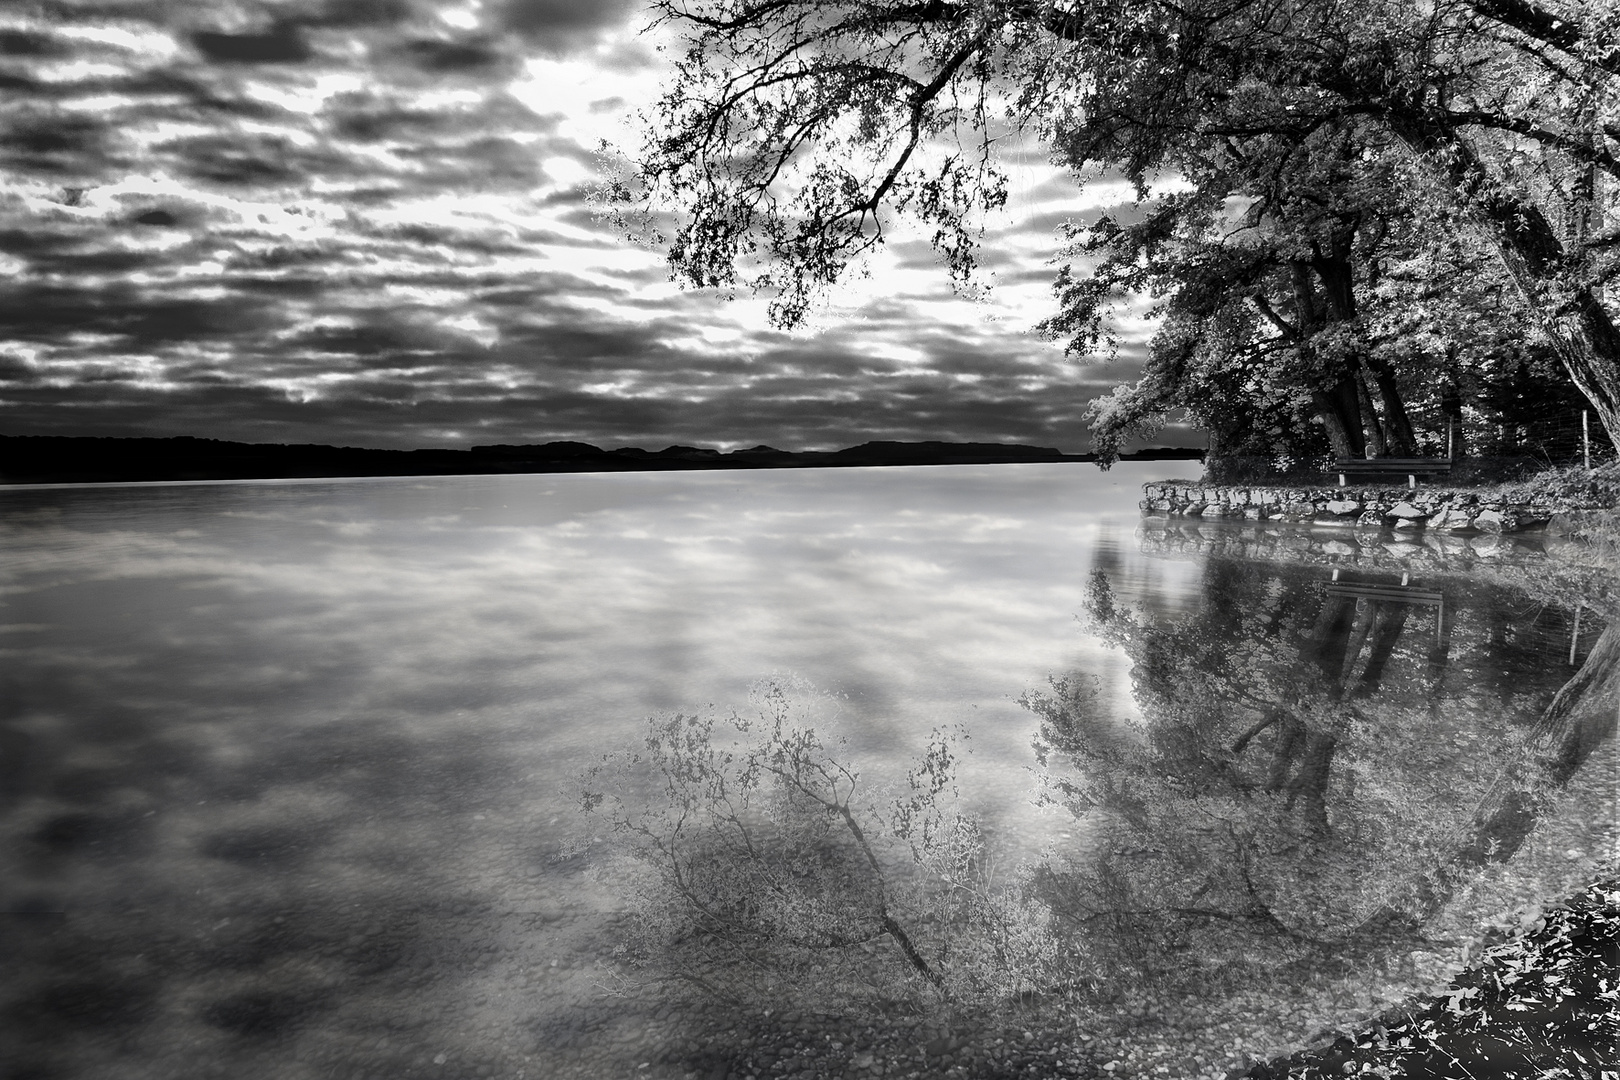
[{"x": 366, "y": 222}]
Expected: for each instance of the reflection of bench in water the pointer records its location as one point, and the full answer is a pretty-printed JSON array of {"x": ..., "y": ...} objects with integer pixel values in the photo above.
[
  {"x": 1400, "y": 594},
  {"x": 1376, "y": 593}
]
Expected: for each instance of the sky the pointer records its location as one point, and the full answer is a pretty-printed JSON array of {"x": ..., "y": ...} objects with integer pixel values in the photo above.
[{"x": 368, "y": 223}]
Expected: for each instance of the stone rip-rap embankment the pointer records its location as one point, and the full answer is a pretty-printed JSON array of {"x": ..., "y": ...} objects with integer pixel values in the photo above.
[{"x": 1438, "y": 509}]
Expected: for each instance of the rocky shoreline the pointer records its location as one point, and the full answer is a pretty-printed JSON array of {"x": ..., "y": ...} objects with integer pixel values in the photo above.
[{"x": 1432, "y": 509}]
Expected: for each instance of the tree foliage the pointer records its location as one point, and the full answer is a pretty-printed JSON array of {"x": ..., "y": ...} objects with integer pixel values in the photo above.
[{"x": 1312, "y": 144}]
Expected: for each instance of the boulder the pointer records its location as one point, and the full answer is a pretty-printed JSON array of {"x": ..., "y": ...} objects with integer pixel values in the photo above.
[
  {"x": 1342, "y": 507},
  {"x": 1452, "y": 519}
]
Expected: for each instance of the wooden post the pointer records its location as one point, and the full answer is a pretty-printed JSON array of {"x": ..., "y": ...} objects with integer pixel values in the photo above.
[
  {"x": 1451, "y": 429},
  {"x": 1586, "y": 441},
  {"x": 1575, "y": 635}
]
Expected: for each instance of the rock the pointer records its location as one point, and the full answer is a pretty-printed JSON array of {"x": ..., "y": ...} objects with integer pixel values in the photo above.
[
  {"x": 1494, "y": 521},
  {"x": 1407, "y": 510}
]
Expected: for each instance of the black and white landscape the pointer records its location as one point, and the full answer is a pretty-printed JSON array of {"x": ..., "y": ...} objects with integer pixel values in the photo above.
[{"x": 559, "y": 539}]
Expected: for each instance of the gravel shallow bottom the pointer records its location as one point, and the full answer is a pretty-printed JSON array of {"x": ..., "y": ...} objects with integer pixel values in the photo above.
[{"x": 1544, "y": 1005}]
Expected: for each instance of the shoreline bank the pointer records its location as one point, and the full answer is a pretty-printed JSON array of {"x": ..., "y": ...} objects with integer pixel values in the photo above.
[{"x": 1451, "y": 510}]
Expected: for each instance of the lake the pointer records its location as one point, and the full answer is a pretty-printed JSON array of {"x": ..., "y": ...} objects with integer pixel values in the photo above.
[{"x": 289, "y": 770}]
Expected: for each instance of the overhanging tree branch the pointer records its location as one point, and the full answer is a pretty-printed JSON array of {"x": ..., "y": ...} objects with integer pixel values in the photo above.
[{"x": 1560, "y": 31}]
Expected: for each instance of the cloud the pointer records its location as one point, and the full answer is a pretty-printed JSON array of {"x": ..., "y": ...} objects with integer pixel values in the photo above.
[
  {"x": 454, "y": 56},
  {"x": 371, "y": 224},
  {"x": 283, "y": 43},
  {"x": 557, "y": 26}
]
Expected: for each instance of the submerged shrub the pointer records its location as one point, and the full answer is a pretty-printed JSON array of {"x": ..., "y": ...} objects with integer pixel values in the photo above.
[{"x": 753, "y": 853}]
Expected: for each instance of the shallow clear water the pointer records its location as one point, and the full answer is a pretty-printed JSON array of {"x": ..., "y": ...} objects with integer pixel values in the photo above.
[{"x": 287, "y": 770}]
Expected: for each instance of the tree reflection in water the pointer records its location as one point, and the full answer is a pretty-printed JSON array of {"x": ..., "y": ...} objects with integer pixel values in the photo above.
[
  {"x": 1321, "y": 758},
  {"x": 1319, "y": 761}
]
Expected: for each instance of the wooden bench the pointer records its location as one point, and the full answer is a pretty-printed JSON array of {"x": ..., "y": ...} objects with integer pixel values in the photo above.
[{"x": 1411, "y": 468}]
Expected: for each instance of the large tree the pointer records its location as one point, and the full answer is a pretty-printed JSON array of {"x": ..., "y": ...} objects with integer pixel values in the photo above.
[
  {"x": 792, "y": 130},
  {"x": 1268, "y": 264}
]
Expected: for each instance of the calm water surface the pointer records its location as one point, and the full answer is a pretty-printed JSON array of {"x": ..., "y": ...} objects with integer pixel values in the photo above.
[{"x": 287, "y": 769}]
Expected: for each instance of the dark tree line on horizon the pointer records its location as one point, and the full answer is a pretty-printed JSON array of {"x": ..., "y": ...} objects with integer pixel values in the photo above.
[{"x": 1362, "y": 222}]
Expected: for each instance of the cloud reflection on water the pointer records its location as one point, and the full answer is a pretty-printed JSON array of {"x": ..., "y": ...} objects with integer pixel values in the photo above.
[{"x": 308, "y": 727}]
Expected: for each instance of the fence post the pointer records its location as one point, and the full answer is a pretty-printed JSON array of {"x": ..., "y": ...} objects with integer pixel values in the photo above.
[{"x": 1586, "y": 441}]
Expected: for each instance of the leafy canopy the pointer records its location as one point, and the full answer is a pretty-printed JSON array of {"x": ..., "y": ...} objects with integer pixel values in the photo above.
[{"x": 1336, "y": 134}]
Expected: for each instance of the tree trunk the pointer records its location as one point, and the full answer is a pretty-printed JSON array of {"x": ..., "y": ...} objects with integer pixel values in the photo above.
[
  {"x": 1399, "y": 438},
  {"x": 1386, "y": 633},
  {"x": 1582, "y": 333},
  {"x": 1590, "y": 687},
  {"x": 1311, "y": 781},
  {"x": 1340, "y": 413},
  {"x": 1577, "y": 721},
  {"x": 1338, "y": 407},
  {"x": 1451, "y": 409},
  {"x": 1589, "y": 345},
  {"x": 1374, "y": 429}
]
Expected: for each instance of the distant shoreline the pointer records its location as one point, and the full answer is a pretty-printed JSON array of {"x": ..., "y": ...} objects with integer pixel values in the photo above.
[{"x": 67, "y": 459}]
